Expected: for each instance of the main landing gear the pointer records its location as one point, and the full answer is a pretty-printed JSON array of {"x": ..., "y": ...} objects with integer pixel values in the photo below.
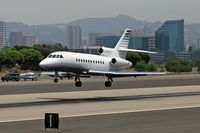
[
  {"x": 78, "y": 83},
  {"x": 109, "y": 82}
]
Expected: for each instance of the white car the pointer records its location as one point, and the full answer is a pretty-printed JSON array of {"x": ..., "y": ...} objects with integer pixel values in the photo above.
[{"x": 29, "y": 75}]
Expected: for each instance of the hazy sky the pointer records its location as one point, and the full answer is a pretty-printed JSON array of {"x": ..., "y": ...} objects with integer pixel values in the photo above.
[{"x": 60, "y": 11}]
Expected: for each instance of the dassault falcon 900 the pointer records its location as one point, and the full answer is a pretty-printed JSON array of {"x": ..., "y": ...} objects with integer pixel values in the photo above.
[{"x": 109, "y": 62}]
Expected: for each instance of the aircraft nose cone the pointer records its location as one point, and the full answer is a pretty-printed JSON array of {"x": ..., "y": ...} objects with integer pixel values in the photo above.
[{"x": 43, "y": 64}]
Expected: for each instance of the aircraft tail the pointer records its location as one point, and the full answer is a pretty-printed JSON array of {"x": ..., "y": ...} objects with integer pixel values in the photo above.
[
  {"x": 121, "y": 48},
  {"x": 123, "y": 44}
]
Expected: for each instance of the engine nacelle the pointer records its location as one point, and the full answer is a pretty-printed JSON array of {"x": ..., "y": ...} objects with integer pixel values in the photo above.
[
  {"x": 100, "y": 51},
  {"x": 113, "y": 61},
  {"x": 121, "y": 63},
  {"x": 105, "y": 51}
]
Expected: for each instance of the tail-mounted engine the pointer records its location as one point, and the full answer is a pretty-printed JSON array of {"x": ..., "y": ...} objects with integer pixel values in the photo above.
[
  {"x": 113, "y": 61},
  {"x": 105, "y": 51},
  {"x": 121, "y": 63}
]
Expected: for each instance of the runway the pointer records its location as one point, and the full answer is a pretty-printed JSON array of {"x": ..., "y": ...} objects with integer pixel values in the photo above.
[
  {"x": 165, "y": 121},
  {"x": 127, "y": 110},
  {"x": 96, "y": 83}
]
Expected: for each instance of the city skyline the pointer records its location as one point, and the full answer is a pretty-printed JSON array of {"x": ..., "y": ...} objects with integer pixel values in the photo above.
[{"x": 50, "y": 11}]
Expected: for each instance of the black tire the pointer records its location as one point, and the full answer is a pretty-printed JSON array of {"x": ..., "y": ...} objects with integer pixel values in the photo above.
[
  {"x": 55, "y": 80},
  {"x": 108, "y": 84},
  {"x": 78, "y": 83}
]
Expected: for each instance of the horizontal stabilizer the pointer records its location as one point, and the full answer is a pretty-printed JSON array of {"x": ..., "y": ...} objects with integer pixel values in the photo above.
[{"x": 136, "y": 50}]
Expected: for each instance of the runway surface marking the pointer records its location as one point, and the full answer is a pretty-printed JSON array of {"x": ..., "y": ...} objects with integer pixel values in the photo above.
[{"x": 73, "y": 104}]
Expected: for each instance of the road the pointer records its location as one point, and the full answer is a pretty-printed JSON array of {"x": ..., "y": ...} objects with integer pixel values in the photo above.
[{"x": 158, "y": 104}]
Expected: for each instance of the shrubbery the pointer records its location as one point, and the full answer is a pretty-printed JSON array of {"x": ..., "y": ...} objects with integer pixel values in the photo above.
[
  {"x": 143, "y": 66},
  {"x": 134, "y": 57},
  {"x": 178, "y": 66}
]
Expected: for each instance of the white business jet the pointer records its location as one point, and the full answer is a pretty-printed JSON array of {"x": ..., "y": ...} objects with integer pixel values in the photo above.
[{"x": 108, "y": 63}]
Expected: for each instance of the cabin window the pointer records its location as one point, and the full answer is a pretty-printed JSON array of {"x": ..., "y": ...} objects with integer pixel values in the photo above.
[
  {"x": 61, "y": 56},
  {"x": 53, "y": 56},
  {"x": 57, "y": 56}
]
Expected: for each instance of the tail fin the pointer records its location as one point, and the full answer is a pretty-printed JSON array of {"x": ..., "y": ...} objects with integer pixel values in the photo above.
[
  {"x": 123, "y": 44},
  {"x": 121, "y": 48}
]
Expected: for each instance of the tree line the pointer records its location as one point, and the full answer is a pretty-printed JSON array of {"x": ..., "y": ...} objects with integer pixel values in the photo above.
[{"x": 27, "y": 58}]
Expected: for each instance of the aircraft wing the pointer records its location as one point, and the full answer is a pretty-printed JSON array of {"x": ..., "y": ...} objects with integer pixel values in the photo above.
[{"x": 124, "y": 74}]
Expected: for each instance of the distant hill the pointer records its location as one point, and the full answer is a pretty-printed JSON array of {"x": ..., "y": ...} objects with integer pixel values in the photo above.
[
  {"x": 57, "y": 32},
  {"x": 111, "y": 25},
  {"x": 107, "y": 25}
]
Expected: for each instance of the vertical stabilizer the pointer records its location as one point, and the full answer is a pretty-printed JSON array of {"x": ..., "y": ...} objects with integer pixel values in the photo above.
[{"x": 123, "y": 44}]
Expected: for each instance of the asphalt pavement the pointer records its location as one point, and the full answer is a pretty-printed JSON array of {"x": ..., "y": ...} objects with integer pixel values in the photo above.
[
  {"x": 47, "y": 86},
  {"x": 166, "y": 121}
]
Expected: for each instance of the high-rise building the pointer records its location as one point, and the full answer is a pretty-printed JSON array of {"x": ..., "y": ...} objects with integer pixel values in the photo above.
[
  {"x": 16, "y": 38},
  {"x": 170, "y": 36},
  {"x": 2, "y": 34},
  {"x": 135, "y": 42},
  {"x": 152, "y": 42},
  {"x": 92, "y": 38},
  {"x": 29, "y": 40},
  {"x": 74, "y": 37}
]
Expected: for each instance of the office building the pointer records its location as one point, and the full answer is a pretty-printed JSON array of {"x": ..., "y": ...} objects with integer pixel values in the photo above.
[
  {"x": 170, "y": 36},
  {"x": 16, "y": 38},
  {"x": 2, "y": 34},
  {"x": 134, "y": 42},
  {"x": 162, "y": 57},
  {"x": 151, "y": 42},
  {"x": 92, "y": 38},
  {"x": 74, "y": 37},
  {"x": 29, "y": 40}
]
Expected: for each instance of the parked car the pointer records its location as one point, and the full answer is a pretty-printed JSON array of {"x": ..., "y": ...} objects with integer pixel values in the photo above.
[
  {"x": 29, "y": 75},
  {"x": 11, "y": 77}
]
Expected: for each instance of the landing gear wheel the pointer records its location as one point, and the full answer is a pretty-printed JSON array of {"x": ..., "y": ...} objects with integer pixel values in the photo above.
[
  {"x": 108, "y": 84},
  {"x": 55, "y": 80},
  {"x": 78, "y": 83}
]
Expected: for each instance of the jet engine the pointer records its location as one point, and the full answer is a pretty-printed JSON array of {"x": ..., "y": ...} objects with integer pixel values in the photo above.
[
  {"x": 113, "y": 61},
  {"x": 105, "y": 51},
  {"x": 121, "y": 63}
]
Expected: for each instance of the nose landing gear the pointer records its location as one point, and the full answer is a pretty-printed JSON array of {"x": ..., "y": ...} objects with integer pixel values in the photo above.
[
  {"x": 78, "y": 83},
  {"x": 56, "y": 77}
]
